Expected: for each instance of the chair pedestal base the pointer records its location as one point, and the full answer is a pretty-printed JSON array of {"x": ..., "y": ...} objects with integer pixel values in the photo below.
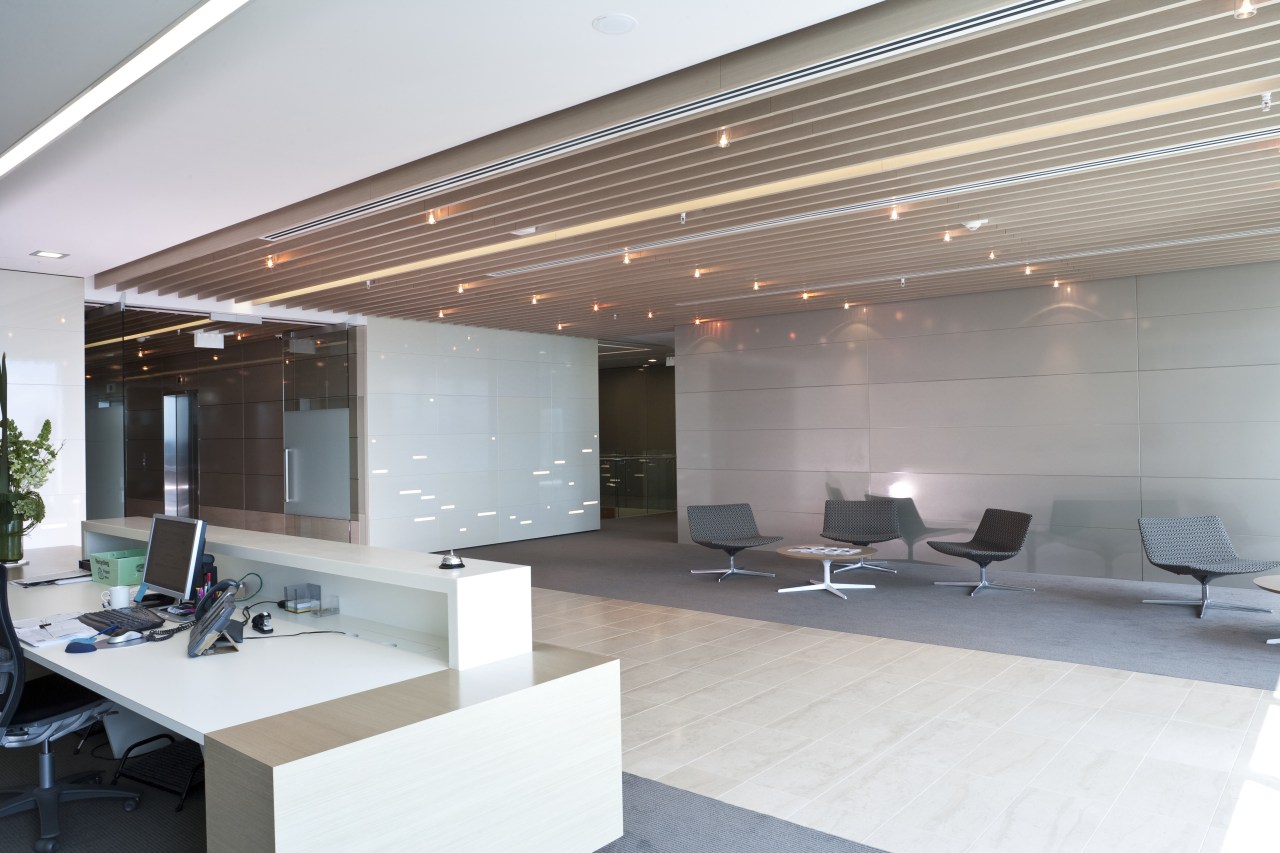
[
  {"x": 732, "y": 570},
  {"x": 983, "y": 583},
  {"x": 825, "y": 583},
  {"x": 1276, "y": 641},
  {"x": 46, "y": 797},
  {"x": 863, "y": 564},
  {"x": 1205, "y": 602}
]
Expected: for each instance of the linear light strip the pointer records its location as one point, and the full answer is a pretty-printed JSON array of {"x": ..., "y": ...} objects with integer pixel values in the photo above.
[
  {"x": 847, "y": 62},
  {"x": 186, "y": 30},
  {"x": 924, "y": 195},
  {"x": 1042, "y": 259},
  {"x": 148, "y": 334}
]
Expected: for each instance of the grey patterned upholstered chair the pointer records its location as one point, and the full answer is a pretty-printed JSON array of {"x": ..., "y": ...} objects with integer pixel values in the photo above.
[
  {"x": 730, "y": 528},
  {"x": 861, "y": 523},
  {"x": 999, "y": 536},
  {"x": 1197, "y": 546}
]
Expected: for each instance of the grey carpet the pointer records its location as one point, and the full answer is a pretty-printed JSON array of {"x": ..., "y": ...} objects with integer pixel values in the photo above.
[
  {"x": 1080, "y": 620},
  {"x": 662, "y": 819}
]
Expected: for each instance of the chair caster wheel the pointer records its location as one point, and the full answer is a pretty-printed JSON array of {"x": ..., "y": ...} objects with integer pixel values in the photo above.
[
  {"x": 130, "y": 805},
  {"x": 46, "y": 845}
]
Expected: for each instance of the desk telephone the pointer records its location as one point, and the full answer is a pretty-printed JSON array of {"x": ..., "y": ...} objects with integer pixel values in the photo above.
[{"x": 213, "y": 620}]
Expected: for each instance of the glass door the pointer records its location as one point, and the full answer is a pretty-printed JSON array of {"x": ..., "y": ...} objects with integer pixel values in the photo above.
[{"x": 317, "y": 434}]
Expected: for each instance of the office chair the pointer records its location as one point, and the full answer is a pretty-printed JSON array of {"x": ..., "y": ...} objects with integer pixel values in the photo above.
[
  {"x": 729, "y": 528},
  {"x": 35, "y": 713},
  {"x": 999, "y": 536},
  {"x": 1197, "y": 546},
  {"x": 861, "y": 523}
]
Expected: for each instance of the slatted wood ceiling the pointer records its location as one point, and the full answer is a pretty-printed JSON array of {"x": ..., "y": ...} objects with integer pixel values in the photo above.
[{"x": 1095, "y": 80}]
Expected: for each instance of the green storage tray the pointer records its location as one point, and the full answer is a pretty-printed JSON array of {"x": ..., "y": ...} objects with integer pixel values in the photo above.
[{"x": 118, "y": 568}]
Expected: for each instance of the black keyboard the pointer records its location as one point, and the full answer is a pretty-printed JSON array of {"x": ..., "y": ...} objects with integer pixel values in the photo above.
[{"x": 132, "y": 618}]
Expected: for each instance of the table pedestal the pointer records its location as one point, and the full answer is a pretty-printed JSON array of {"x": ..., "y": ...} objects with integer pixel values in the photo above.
[{"x": 825, "y": 583}]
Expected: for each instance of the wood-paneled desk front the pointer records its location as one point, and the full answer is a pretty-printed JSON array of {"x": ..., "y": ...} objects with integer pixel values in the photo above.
[{"x": 339, "y": 742}]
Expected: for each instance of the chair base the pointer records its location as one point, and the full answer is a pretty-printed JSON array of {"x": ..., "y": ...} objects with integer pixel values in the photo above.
[
  {"x": 1273, "y": 642},
  {"x": 733, "y": 569},
  {"x": 46, "y": 797},
  {"x": 1205, "y": 601},
  {"x": 863, "y": 564},
  {"x": 1205, "y": 604},
  {"x": 983, "y": 583}
]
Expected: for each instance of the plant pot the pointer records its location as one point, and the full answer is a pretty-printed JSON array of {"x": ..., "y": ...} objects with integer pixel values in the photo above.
[{"x": 11, "y": 540}]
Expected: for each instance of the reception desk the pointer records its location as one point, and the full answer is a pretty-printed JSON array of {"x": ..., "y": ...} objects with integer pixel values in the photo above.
[{"x": 431, "y": 722}]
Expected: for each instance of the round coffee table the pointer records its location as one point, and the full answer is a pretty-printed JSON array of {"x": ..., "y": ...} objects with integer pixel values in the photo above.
[
  {"x": 827, "y": 554},
  {"x": 1271, "y": 583}
]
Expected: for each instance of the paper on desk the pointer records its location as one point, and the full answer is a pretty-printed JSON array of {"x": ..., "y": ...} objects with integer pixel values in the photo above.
[{"x": 50, "y": 630}]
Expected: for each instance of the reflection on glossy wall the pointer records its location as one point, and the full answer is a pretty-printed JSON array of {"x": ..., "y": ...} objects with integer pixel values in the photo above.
[
  {"x": 1087, "y": 405},
  {"x": 476, "y": 436},
  {"x": 42, "y": 331}
]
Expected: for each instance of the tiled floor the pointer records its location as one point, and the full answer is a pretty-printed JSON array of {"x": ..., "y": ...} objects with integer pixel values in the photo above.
[{"x": 912, "y": 747}]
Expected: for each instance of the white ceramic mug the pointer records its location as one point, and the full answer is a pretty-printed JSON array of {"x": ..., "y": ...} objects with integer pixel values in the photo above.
[{"x": 116, "y": 597}]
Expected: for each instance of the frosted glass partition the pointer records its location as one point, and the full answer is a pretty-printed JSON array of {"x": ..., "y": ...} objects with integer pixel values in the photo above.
[
  {"x": 1087, "y": 405},
  {"x": 474, "y": 436},
  {"x": 42, "y": 332}
]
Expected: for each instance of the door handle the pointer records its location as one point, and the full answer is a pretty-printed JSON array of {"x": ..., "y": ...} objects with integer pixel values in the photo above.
[{"x": 288, "y": 478}]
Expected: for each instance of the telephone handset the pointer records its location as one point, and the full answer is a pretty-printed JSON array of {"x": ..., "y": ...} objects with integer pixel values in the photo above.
[{"x": 213, "y": 615}]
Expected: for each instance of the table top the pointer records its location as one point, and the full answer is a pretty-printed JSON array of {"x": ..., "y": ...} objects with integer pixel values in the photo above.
[
  {"x": 195, "y": 696},
  {"x": 826, "y": 552},
  {"x": 1271, "y": 583}
]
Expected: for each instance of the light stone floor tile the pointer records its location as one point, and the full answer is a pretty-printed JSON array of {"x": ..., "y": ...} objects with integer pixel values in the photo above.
[
  {"x": 777, "y": 671},
  {"x": 1214, "y": 708},
  {"x": 1122, "y": 731},
  {"x": 672, "y": 687},
  {"x": 1044, "y": 822},
  {"x": 656, "y": 648},
  {"x": 1011, "y": 756},
  {"x": 1052, "y": 719},
  {"x": 767, "y": 706},
  {"x": 1025, "y": 679},
  {"x": 1176, "y": 790},
  {"x": 750, "y": 754},
  {"x": 942, "y": 743},
  {"x": 1209, "y": 747},
  {"x": 842, "y": 732},
  {"x": 1130, "y": 831},
  {"x": 988, "y": 707},
  {"x": 768, "y": 801},
  {"x": 821, "y": 717},
  {"x": 1087, "y": 771},
  {"x": 907, "y": 839},
  {"x": 960, "y": 805},
  {"x": 824, "y": 679},
  {"x": 930, "y": 698},
  {"x": 699, "y": 781},
  {"x": 718, "y": 696},
  {"x": 1084, "y": 688},
  {"x": 654, "y": 722},
  {"x": 1144, "y": 698},
  {"x": 735, "y": 663}
]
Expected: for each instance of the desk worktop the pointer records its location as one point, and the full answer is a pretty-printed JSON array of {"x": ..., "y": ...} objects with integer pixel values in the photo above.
[{"x": 201, "y": 695}]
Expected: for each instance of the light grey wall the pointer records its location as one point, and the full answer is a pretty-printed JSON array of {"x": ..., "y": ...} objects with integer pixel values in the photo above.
[
  {"x": 474, "y": 436},
  {"x": 42, "y": 332},
  {"x": 1087, "y": 405}
]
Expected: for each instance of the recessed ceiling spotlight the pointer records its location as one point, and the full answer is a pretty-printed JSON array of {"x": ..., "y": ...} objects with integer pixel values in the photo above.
[
  {"x": 271, "y": 262},
  {"x": 626, "y": 257},
  {"x": 653, "y": 361},
  {"x": 1246, "y": 9},
  {"x": 43, "y": 253},
  {"x": 441, "y": 314},
  {"x": 893, "y": 213},
  {"x": 846, "y": 305},
  {"x": 1055, "y": 282},
  {"x": 461, "y": 288},
  {"x": 614, "y": 24},
  {"x": 595, "y": 306},
  {"x": 534, "y": 301},
  {"x": 697, "y": 321},
  {"x": 946, "y": 236},
  {"x": 431, "y": 217},
  {"x": 723, "y": 141},
  {"x": 1027, "y": 271},
  {"x": 697, "y": 272},
  {"x": 559, "y": 327},
  {"x": 651, "y": 314},
  {"x": 804, "y": 295},
  {"x": 991, "y": 256}
]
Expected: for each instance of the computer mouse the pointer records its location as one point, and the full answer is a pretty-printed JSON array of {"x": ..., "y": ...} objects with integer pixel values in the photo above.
[{"x": 124, "y": 638}]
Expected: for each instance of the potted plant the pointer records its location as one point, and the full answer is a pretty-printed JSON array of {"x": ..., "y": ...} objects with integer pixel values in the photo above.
[{"x": 25, "y": 466}]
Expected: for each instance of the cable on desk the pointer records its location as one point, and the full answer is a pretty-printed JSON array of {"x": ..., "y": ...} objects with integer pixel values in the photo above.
[
  {"x": 257, "y": 591},
  {"x": 299, "y": 634},
  {"x": 247, "y": 611}
]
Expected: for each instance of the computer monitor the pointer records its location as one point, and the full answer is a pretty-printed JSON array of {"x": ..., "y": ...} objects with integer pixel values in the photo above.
[{"x": 173, "y": 554}]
